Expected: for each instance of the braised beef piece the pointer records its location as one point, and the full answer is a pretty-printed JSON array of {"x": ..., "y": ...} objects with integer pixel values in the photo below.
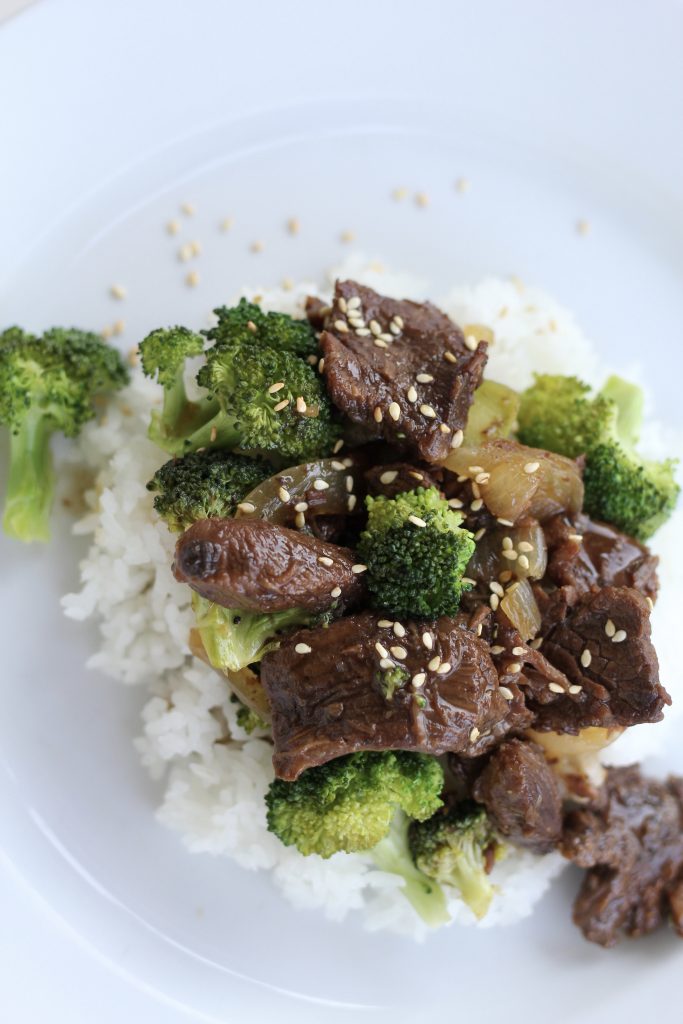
[
  {"x": 587, "y": 555},
  {"x": 632, "y": 847},
  {"x": 396, "y": 478},
  {"x": 259, "y": 567},
  {"x": 521, "y": 795},
  {"x": 331, "y": 694},
  {"x": 400, "y": 368},
  {"x": 316, "y": 310}
]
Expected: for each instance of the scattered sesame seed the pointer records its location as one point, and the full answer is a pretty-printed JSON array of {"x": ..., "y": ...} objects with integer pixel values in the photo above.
[
  {"x": 192, "y": 279},
  {"x": 399, "y": 194},
  {"x": 348, "y": 483},
  {"x": 399, "y": 652},
  {"x": 347, "y": 236},
  {"x": 471, "y": 342},
  {"x": 514, "y": 667},
  {"x": 577, "y": 537},
  {"x": 336, "y": 464},
  {"x": 474, "y": 735},
  {"x": 509, "y": 553},
  {"x": 434, "y": 663},
  {"x": 293, "y": 226},
  {"x": 536, "y": 644},
  {"x": 284, "y": 494},
  {"x": 496, "y": 588},
  {"x": 106, "y": 332},
  {"x": 351, "y": 502},
  {"x": 394, "y": 328},
  {"x": 301, "y": 405},
  {"x": 480, "y": 628},
  {"x": 335, "y": 592},
  {"x": 246, "y": 506},
  {"x": 311, "y": 360},
  {"x": 424, "y": 378},
  {"x": 395, "y": 411},
  {"x": 341, "y": 303},
  {"x": 134, "y": 356},
  {"x": 385, "y": 623},
  {"x": 523, "y": 562},
  {"x": 586, "y": 658},
  {"x": 341, "y": 326},
  {"x": 195, "y": 248},
  {"x": 505, "y": 522},
  {"x": 382, "y": 651},
  {"x": 338, "y": 445},
  {"x": 650, "y": 603},
  {"x": 497, "y": 650},
  {"x": 575, "y": 689},
  {"x": 524, "y": 545},
  {"x": 411, "y": 394},
  {"x": 531, "y": 467},
  {"x": 398, "y": 320},
  {"x": 378, "y": 414},
  {"x": 619, "y": 636},
  {"x": 388, "y": 476},
  {"x": 353, "y": 302},
  {"x": 358, "y": 568},
  {"x": 173, "y": 227},
  {"x": 386, "y": 663},
  {"x": 583, "y": 227},
  {"x": 251, "y": 326},
  {"x": 494, "y": 601},
  {"x": 399, "y": 629},
  {"x": 473, "y": 470},
  {"x": 610, "y": 628},
  {"x": 482, "y": 478},
  {"x": 299, "y": 520},
  {"x": 421, "y": 199},
  {"x": 416, "y": 521},
  {"x": 455, "y": 503},
  {"x": 257, "y": 246},
  {"x": 427, "y": 641},
  {"x": 555, "y": 688},
  {"x": 386, "y": 338},
  {"x": 480, "y": 533},
  {"x": 427, "y": 411},
  {"x": 450, "y": 357},
  {"x": 477, "y": 504},
  {"x": 362, "y": 332},
  {"x": 320, "y": 485},
  {"x": 457, "y": 439},
  {"x": 301, "y": 506},
  {"x": 321, "y": 365},
  {"x": 506, "y": 692},
  {"x": 281, "y": 405},
  {"x": 214, "y": 434},
  {"x": 468, "y": 581},
  {"x": 518, "y": 651},
  {"x": 462, "y": 185},
  {"x": 118, "y": 327},
  {"x": 226, "y": 224},
  {"x": 505, "y": 576},
  {"x": 419, "y": 679},
  {"x": 303, "y": 649},
  {"x": 118, "y": 291},
  {"x": 375, "y": 328},
  {"x": 274, "y": 388}
]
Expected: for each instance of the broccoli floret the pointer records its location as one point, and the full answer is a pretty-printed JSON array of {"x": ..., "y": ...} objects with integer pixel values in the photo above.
[
  {"x": 246, "y": 322},
  {"x": 234, "y": 639},
  {"x": 393, "y": 854},
  {"x": 451, "y": 848},
  {"x": 559, "y": 414},
  {"x": 201, "y": 485},
  {"x": 163, "y": 354},
  {"x": 416, "y": 553},
  {"x": 392, "y": 680},
  {"x": 247, "y": 718},
  {"x": 348, "y": 804},
  {"x": 47, "y": 386}
]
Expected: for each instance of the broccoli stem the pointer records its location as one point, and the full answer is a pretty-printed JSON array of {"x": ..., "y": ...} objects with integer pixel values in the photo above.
[
  {"x": 392, "y": 854},
  {"x": 30, "y": 485},
  {"x": 470, "y": 878}
]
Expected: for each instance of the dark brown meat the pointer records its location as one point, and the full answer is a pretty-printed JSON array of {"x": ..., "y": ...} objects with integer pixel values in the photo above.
[
  {"x": 587, "y": 555},
  {"x": 397, "y": 477},
  {"x": 316, "y": 311},
  {"x": 329, "y": 696},
  {"x": 603, "y": 648},
  {"x": 633, "y": 849},
  {"x": 370, "y": 378},
  {"x": 259, "y": 567},
  {"x": 522, "y": 795}
]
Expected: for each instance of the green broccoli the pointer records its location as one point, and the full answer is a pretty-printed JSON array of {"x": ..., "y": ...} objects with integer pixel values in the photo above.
[
  {"x": 451, "y": 848},
  {"x": 392, "y": 680},
  {"x": 234, "y": 639},
  {"x": 47, "y": 386},
  {"x": 348, "y": 804},
  {"x": 247, "y": 322},
  {"x": 247, "y": 718},
  {"x": 163, "y": 354},
  {"x": 393, "y": 854},
  {"x": 416, "y": 553},
  {"x": 201, "y": 485},
  {"x": 559, "y": 414}
]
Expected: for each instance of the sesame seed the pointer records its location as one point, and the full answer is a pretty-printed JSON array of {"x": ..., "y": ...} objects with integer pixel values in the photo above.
[
  {"x": 473, "y": 470},
  {"x": 419, "y": 679},
  {"x": 427, "y": 411},
  {"x": 281, "y": 405},
  {"x": 497, "y": 650},
  {"x": 325, "y": 560},
  {"x": 457, "y": 439},
  {"x": 351, "y": 502},
  {"x": 362, "y": 332},
  {"x": 382, "y": 651},
  {"x": 192, "y": 279},
  {"x": 536, "y": 644},
  {"x": 480, "y": 628},
  {"x": 348, "y": 483},
  {"x": 524, "y": 545},
  {"x": 477, "y": 504},
  {"x": 518, "y": 651},
  {"x": 388, "y": 476},
  {"x": 134, "y": 359},
  {"x": 474, "y": 735},
  {"x": 358, "y": 568},
  {"x": 511, "y": 589},
  {"x": 336, "y": 464},
  {"x": 173, "y": 227},
  {"x": 610, "y": 628},
  {"x": 388, "y": 338},
  {"x": 395, "y": 411},
  {"x": 375, "y": 327},
  {"x": 514, "y": 667},
  {"x": 299, "y": 520},
  {"x": 320, "y": 485},
  {"x": 506, "y": 692},
  {"x": 462, "y": 185},
  {"x": 480, "y": 533},
  {"x": 251, "y": 326},
  {"x": 583, "y": 227},
  {"x": 398, "y": 320},
  {"x": 510, "y": 554},
  {"x": 246, "y": 506},
  {"x": 471, "y": 342},
  {"x": 531, "y": 467},
  {"x": 355, "y": 318},
  {"x": 450, "y": 357},
  {"x": 386, "y": 663},
  {"x": 507, "y": 543},
  {"x": 555, "y": 688},
  {"x": 427, "y": 641},
  {"x": 347, "y": 236},
  {"x": 650, "y": 603},
  {"x": 378, "y": 414},
  {"x": 424, "y": 378},
  {"x": 118, "y": 327},
  {"x": 496, "y": 588},
  {"x": 353, "y": 302},
  {"x": 293, "y": 226},
  {"x": 311, "y": 360},
  {"x": 195, "y": 248},
  {"x": 256, "y": 246},
  {"x": 399, "y": 629},
  {"x": 394, "y": 328},
  {"x": 274, "y": 388},
  {"x": 385, "y": 623},
  {"x": 434, "y": 663},
  {"x": 505, "y": 576},
  {"x": 575, "y": 689},
  {"x": 341, "y": 326},
  {"x": 226, "y": 224},
  {"x": 455, "y": 503},
  {"x": 336, "y": 592},
  {"x": 494, "y": 601},
  {"x": 411, "y": 394},
  {"x": 505, "y": 522},
  {"x": 338, "y": 445},
  {"x": 523, "y": 562},
  {"x": 303, "y": 649},
  {"x": 321, "y": 365},
  {"x": 301, "y": 405},
  {"x": 348, "y": 462},
  {"x": 482, "y": 478},
  {"x": 118, "y": 291},
  {"x": 416, "y": 521},
  {"x": 444, "y": 428},
  {"x": 576, "y": 537},
  {"x": 619, "y": 636},
  {"x": 421, "y": 199},
  {"x": 466, "y": 580},
  {"x": 187, "y": 208},
  {"x": 399, "y": 652},
  {"x": 301, "y": 506},
  {"x": 586, "y": 658},
  {"x": 380, "y": 343}
]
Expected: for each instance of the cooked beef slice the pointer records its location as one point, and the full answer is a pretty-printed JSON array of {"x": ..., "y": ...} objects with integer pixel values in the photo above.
[
  {"x": 399, "y": 368},
  {"x": 259, "y": 567},
  {"x": 396, "y": 478},
  {"x": 316, "y": 310},
  {"x": 521, "y": 795},
  {"x": 603, "y": 648},
  {"x": 632, "y": 848},
  {"x": 587, "y": 555},
  {"x": 329, "y": 693}
]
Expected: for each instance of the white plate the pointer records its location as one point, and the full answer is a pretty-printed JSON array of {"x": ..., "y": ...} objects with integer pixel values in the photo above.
[{"x": 265, "y": 115}]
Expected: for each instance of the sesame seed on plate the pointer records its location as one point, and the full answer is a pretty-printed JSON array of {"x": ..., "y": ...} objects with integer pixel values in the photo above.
[
  {"x": 395, "y": 411},
  {"x": 303, "y": 649},
  {"x": 586, "y": 658},
  {"x": 351, "y": 502},
  {"x": 462, "y": 185},
  {"x": 556, "y": 688},
  {"x": 388, "y": 476},
  {"x": 226, "y": 224},
  {"x": 434, "y": 663},
  {"x": 619, "y": 636},
  {"x": 583, "y": 227},
  {"x": 457, "y": 439},
  {"x": 610, "y": 628},
  {"x": 187, "y": 208},
  {"x": 427, "y": 641},
  {"x": 335, "y": 592},
  {"x": 427, "y": 411},
  {"x": 293, "y": 226},
  {"x": 118, "y": 327},
  {"x": 424, "y": 378},
  {"x": 325, "y": 560},
  {"x": 281, "y": 405},
  {"x": 256, "y": 246},
  {"x": 399, "y": 652},
  {"x": 192, "y": 279},
  {"x": 173, "y": 227},
  {"x": 341, "y": 326},
  {"x": 381, "y": 650},
  {"x": 421, "y": 199},
  {"x": 358, "y": 568},
  {"x": 347, "y": 236},
  {"x": 118, "y": 291},
  {"x": 531, "y": 467},
  {"x": 246, "y": 506},
  {"x": 416, "y": 521},
  {"x": 474, "y": 735},
  {"x": 320, "y": 485}
]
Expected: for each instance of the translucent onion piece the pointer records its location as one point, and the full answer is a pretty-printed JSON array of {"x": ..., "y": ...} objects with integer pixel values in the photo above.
[
  {"x": 245, "y": 684},
  {"x": 519, "y": 604},
  {"x": 493, "y": 413},
  {"x": 275, "y": 499},
  {"x": 489, "y": 559},
  {"x": 578, "y": 756}
]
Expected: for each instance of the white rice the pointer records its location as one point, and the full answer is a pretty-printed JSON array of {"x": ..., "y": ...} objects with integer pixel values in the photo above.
[{"x": 214, "y": 776}]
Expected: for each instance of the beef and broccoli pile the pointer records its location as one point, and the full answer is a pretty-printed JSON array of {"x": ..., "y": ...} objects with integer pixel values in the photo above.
[{"x": 434, "y": 593}]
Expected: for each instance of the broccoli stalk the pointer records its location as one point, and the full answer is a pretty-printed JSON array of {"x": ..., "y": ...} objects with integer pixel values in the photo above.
[
  {"x": 560, "y": 415},
  {"x": 416, "y": 554},
  {"x": 348, "y": 803},
  {"x": 451, "y": 847},
  {"x": 234, "y": 639},
  {"x": 47, "y": 386},
  {"x": 393, "y": 854}
]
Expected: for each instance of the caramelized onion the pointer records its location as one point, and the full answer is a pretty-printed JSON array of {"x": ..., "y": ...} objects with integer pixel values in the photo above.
[
  {"x": 276, "y": 498},
  {"x": 519, "y": 605},
  {"x": 491, "y": 556},
  {"x": 493, "y": 413},
  {"x": 245, "y": 684},
  {"x": 576, "y": 759}
]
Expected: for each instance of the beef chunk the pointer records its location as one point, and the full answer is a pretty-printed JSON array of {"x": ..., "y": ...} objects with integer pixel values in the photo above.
[
  {"x": 336, "y": 690},
  {"x": 587, "y": 555},
  {"x": 632, "y": 847},
  {"x": 316, "y": 311},
  {"x": 603, "y": 649},
  {"x": 259, "y": 567},
  {"x": 402, "y": 369},
  {"x": 397, "y": 477},
  {"x": 522, "y": 795}
]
